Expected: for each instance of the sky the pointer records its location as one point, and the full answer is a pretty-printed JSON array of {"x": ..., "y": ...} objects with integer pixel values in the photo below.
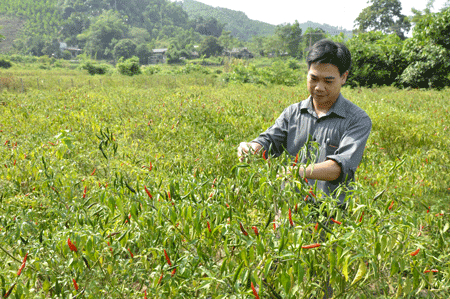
[{"x": 332, "y": 12}]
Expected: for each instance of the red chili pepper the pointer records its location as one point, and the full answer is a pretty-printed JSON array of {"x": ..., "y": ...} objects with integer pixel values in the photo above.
[
  {"x": 214, "y": 182},
  {"x": 167, "y": 258},
  {"x": 145, "y": 294},
  {"x": 306, "y": 197},
  {"x": 71, "y": 245},
  {"x": 93, "y": 172},
  {"x": 84, "y": 193},
  {"x": 173, "y": 272},
  {"x": 227, "y": 205},
  {"x": 168, "y": 193},
  {"x": 295, "y": 161},
  {"x": 312, "y": 193},
  {"x": 23, "y": 264},
  {"x": 361, "y": 218},
  {"x": 255, "y": 293},
  {"x": 274, "y": 225},
  {"x": 14, "y": 162},
  {"x": 414, "y": 253},
  {"x": 434, "y": 270},
  {"x": 296, "y": 208},
  {"x": 255, "y": 229},
  {"x": 428, "y": 211},
  {"x": 75, "y": 285},
  {"x": 316, "y": 226},
  {"x": 264, "y": 156},
  {"x": 306, "y": 180},
  {"x": 151, "y": 166},
  {"x": 209, "y": 227},
  {"x": 311, "y": 246},
  {"x": 9, "y": 291},
  {"x": 335, "y": 221},
  {"x": 132, "y": 256},
  {"x": 243, "y": 230},
  {"x": 290, "y": 218},
  {"x": 392, "y": 204},
  {"x": 148, "y": 192},
  {"x": 6, "y": 142},
  {"x": 160, "y": 278}
]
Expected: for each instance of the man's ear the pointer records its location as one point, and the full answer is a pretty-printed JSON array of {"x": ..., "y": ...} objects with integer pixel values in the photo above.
[{"x": 344, "y": 78}]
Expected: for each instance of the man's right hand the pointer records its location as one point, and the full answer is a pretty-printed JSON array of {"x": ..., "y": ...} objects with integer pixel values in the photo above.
[{"x": 248, "y": 147}]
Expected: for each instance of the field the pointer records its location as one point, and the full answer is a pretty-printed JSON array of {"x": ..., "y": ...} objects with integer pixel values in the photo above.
[{"x": 141, "y": 174}]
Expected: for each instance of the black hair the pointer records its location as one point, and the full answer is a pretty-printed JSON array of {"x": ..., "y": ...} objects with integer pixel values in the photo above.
[{"x": 327, "y": 51}]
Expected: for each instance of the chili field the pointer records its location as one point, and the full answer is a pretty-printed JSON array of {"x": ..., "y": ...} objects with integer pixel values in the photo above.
[{"x": 141, "y": 175}]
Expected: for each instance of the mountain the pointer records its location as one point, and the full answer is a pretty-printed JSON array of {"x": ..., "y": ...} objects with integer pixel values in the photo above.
[
  {"x": 236, "y": 21},
  {"x": 239, "y": 23}
]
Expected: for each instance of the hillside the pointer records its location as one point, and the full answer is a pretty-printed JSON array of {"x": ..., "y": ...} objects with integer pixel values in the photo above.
[
  {"x": 241, "y": 26},
  {"x": 10, "y": 28},
  {"x": 236, "y": 21}
]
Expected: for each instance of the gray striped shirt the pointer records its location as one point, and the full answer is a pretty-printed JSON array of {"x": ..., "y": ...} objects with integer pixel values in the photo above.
[{"x": 341, "y": 135}]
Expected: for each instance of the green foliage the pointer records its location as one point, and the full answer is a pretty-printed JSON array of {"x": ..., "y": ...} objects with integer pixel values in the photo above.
[
  {"x": 210, "y": 46},
  {"x": 383, "y": 15},
  {"x": 129, "y": 67},
  {"x": 95, "y": 68},
  {"x": 236, "y": 22},
  {"x": 291, "y": 38},
  {"x": 125, "y": 49},
  {"x": 280, "y": 73},
  {"x": 428, "y": 53},
  {"x": 208, "y": 27},
  {"x": 377, "y": 59},
  {"x": 5, "y": 64},
  {"x": 108, "y": 140},
  {"x": 103, "y": 35},
  {"x": 151, "y": 69}
]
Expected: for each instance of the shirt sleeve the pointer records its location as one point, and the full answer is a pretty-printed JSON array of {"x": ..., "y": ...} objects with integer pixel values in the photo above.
[
  {"x": 351, "y": 147},
  {"x": 274, "y": 138}
]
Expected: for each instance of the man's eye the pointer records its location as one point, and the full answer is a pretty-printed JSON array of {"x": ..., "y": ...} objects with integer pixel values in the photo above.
[{"x": 329, "y": 82}]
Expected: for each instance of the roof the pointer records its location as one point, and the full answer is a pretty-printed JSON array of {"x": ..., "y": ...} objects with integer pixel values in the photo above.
[{"x": 160, "y": 50}]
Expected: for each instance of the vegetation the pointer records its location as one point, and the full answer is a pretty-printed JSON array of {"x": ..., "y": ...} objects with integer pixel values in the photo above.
[{"x": 141, "y": 174}]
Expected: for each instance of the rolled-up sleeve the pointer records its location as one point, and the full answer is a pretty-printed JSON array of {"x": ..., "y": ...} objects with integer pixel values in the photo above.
[
  {"x": 351, "y": 147},
  {"x": 274, "y": 138}
]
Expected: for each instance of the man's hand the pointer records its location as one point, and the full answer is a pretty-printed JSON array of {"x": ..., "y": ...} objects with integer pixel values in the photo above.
[{"x": 248, "y": 147}]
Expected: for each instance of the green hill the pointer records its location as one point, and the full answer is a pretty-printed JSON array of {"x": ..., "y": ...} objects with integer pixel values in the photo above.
[
  {"x": 10, "y": 28},
  {"x": 241, "y": 26},
  {"x": 236, "y": 21}
]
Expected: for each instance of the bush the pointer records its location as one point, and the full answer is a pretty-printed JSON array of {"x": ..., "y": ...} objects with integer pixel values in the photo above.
[
  {"x": 129, "y": 67},
  {"x": 92, "y": 68},
  {"x": 66, "y": 55},
  {"x": 5, "y": 64},
  {"x": 376, "y": 59},
  {"x": 150, "y": 70}
]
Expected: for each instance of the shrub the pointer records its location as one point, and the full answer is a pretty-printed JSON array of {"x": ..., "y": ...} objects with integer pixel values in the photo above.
[
  {"x": 376, "y": 59},
  {"x": 93, "y": 68},
  {"x": 150, "y": 70},
  {"x": 129, "y": 67},
  {"x": 5, "y": 64}
]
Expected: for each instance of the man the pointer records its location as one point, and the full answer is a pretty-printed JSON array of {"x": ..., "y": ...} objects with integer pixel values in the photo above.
[{"x": 339, "y": 127}]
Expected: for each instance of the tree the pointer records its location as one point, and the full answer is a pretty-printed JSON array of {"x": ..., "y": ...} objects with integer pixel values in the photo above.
[
  {"x": 102, "y": 36},
  {"x": 428, "y": 52},
  {"x": 143, "y": 53},
  {"x": 311, "y": 36},
  {"x": 210, "y": 46},
  {"x": 385, "y": 16},
  {"x": 291, "y": 37},
  {"x": 210, "y": 26},
  {"x": 125, "y": 48},
  {"x": 418, "y": 15}
]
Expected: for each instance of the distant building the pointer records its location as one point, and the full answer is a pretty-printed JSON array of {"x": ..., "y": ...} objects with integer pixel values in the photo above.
[
  {"x": 74, "y": 51},
  {"x": 239, "y": 53},
  {"x": 159, "y": 56}
]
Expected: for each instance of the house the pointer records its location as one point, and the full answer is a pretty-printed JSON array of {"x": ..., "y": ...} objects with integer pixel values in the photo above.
[
  {"x": 158, "y": 56},
  {"x": 74, "y": 51},
  {"x": 239, "y": 53}
]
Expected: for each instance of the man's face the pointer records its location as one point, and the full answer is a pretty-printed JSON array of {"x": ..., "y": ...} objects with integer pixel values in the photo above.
[{"x": 324, "y": 83}]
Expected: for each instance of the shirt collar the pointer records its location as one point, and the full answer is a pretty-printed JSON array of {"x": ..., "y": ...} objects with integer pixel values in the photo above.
[{"x": 338, "y": 108}]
